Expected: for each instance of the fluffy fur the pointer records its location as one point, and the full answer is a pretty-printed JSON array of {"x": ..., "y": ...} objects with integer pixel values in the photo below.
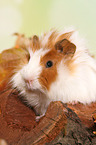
[{"x": 71, "y": 78}]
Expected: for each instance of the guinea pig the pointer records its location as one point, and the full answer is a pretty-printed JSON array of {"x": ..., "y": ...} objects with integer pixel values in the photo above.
[{"x": 59, "y": 68}]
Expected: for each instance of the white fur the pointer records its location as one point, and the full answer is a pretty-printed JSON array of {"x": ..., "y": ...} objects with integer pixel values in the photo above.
[
  {"x": 45, "y": 38},
  {"x": 36, "y": 96},
  {"x": 78, "y": 86},
  {"x": 30, "y": 71}
]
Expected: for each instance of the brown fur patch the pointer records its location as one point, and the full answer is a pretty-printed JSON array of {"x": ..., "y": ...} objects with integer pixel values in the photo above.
[
  {"x": 51, "y": 39},
  {"x": 35, "y": 43},
  {"x": 49, "y": 75},
  {"x": 54, "y": 37}
]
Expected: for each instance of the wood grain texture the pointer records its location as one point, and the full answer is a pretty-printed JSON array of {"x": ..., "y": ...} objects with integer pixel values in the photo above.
[{"x": 18, "y": 125}]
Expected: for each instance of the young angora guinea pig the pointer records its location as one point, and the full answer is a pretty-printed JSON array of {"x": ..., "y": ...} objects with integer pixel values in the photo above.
[{"x": 60, "y": 68}]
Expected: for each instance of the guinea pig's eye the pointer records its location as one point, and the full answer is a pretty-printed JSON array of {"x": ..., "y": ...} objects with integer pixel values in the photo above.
[
  {"x": 49, "y": 64},
  {"x": 28, "y": 57}
]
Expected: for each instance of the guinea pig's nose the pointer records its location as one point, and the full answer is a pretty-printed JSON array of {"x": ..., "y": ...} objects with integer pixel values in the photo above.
[{"x": 28, "y": 81}]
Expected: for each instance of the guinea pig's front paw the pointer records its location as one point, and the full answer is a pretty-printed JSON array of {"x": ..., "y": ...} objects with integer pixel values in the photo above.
[
  {"x": 39, "y": 117},
  {"x": 73, "y": 102}
]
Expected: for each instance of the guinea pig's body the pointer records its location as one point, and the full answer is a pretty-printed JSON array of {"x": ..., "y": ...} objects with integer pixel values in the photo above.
[{"x": 59, "y": 69}]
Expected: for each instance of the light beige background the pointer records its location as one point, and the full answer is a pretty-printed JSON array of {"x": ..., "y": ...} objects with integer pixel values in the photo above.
[{"x": 37, "y": 16}]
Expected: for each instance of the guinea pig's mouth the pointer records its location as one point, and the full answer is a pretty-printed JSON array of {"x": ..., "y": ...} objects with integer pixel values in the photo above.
[
  {"x": 28, "y": 89},
  {"x": 34, "y": 91}
]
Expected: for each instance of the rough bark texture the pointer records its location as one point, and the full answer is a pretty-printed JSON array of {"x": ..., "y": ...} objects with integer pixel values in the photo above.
[{"x": 76, "y": 133}]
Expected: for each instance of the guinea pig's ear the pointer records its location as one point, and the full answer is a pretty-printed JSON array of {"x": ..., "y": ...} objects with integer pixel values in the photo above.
[
  {"x": 66, "y": 47},
  {"x": 35, "y": 43}
]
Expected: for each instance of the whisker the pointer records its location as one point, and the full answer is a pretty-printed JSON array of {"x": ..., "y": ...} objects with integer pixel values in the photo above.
[
  {"x": 11, "y": 92},
  {"x": 6, "y": 89},
  {"x": 41, "y": 78}
]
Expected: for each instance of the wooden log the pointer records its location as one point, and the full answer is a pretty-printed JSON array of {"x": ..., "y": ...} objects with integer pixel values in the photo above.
[
  {"x": 18, "y": 125},
  {"x": 85, "y": 113}
]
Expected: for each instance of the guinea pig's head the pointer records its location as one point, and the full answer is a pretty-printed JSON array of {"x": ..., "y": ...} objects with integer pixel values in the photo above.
[{"x": 46, "y": 54}]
